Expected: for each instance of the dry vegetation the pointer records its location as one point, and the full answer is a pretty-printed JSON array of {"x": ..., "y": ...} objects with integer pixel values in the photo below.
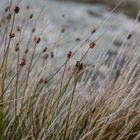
[{"x": 37, "y": 102}]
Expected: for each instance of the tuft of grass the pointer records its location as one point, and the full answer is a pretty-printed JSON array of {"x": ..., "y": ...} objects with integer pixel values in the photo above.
[{"x": 76, "y": 100}]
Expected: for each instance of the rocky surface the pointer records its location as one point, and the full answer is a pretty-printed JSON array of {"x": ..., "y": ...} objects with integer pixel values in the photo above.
[
  {"x": 62, "y": 24},
  {"x": 130, "y": 7}
]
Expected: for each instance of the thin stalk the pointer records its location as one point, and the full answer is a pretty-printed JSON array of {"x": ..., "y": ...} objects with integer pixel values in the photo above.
[
  {"x": 69, "y": 111},
  {"x": 16, "y": 92},
  {"x": 8, "y": 46}
]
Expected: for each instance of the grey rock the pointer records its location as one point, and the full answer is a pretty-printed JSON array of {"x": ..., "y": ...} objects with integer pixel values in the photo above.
[{"x": 130, "y": 7}]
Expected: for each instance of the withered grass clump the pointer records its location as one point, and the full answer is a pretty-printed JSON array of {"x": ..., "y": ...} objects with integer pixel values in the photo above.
[{"x": 70, "y": 102}]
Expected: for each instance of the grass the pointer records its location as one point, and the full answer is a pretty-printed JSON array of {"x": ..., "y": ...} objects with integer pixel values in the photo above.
[{"x": 71, "y": 102}]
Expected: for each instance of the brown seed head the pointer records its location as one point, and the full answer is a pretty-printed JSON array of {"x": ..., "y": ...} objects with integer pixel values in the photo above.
[
  {"x": 17, "y": 47},
  {"x": 79, "y": 66},
  {"x": 18, "y": 28},
  {"x": 23, "y": 62},
  {"x": 26, "y": 51},
  {"x": 93, "y": 31},
  {"x": 44, "y": 50},
  {"x": 31, "y": 16},
  {"x": 78, "y": 39},
  {"x": 37, "y": 40},
  {"x": 69, "y": 55},
  {"x": 41, "y": 80},
  {"x": 7, "y": 8},
  {"x": 62, "y": 30},
  {"x": 45, "y": 81},
  {"x": 52, "y": 55},
  {"x": 33, "y": 30},
  {"x": 16, "y": 9},
  {"x": 129, "y": 36},
  {"x": 92, "y": 45},
  {"x": 8, "y": 17},
  {"x": 11, "y": 35}
]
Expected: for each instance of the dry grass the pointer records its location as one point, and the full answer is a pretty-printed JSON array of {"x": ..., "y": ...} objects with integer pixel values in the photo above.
[{"x": 71, "y": 102}]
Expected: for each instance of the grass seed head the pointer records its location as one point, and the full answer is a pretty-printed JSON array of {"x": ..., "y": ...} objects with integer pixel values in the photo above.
[
  {"x": 79, "y": 66},
  {"x": 63, "y": 30},
  {"x": 129, "y": 36},
  {"x": 17, "y": 9},
  {"x": 92, "y": 45},
  {"x": 31, "y": 16},
  {"x": 93, "y": 31},
  {"x": 33, "y": 30},
  {"x": 17, "y": 47},
  {"x": 37, "y": 40},
  {"x": 41, "y": 80},
  {"x": 26, "y": 51},
  {"x": 18, "y": 28},
  {"x": 7, "y": 8},
  {"x": 45, "y": 81},
  {"x": 78, "y": 39},
  {"x": 44, "y": 50},
  {"x": 11, "y": 35},
  {"x": 9, "y": 16},
  {"x": 23, "y": 62},
  {"x": 69, "y": 55},
  {"x": 52, "y": 55}
]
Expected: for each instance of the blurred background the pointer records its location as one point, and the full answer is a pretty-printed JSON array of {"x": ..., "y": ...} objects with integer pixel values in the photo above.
[
  {"x": 129, "y": 7},
  {"x": 63, "y": 22}
]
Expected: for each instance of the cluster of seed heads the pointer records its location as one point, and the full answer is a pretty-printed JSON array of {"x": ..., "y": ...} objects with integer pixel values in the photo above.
[
  {"x": 129, "y": 36},
  {"x": 41, "y": 80},
  {"x": 78, "y": 39},
  {"x": 69, "y": 55},
  {"x": 33, "y": 30},
  {"x": 23, "y": 62},
  {"x": 37, "y": 40},
  {"x": 16, "y": 10},
  {"x": 93, "y": 31},
  {"x": 18, "y": 29},
  {"x": 17, "y": 47},
  {"x": 12, "y": 35},
  {"x": 79, "y": 66},
  {"x": 31, "y": 16},
  {"x": 7, "y": 8},
  {"x": 26, "y": 51},
  {"x": 92, "y": 45},
  {"x": 44, "y": 50}
]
